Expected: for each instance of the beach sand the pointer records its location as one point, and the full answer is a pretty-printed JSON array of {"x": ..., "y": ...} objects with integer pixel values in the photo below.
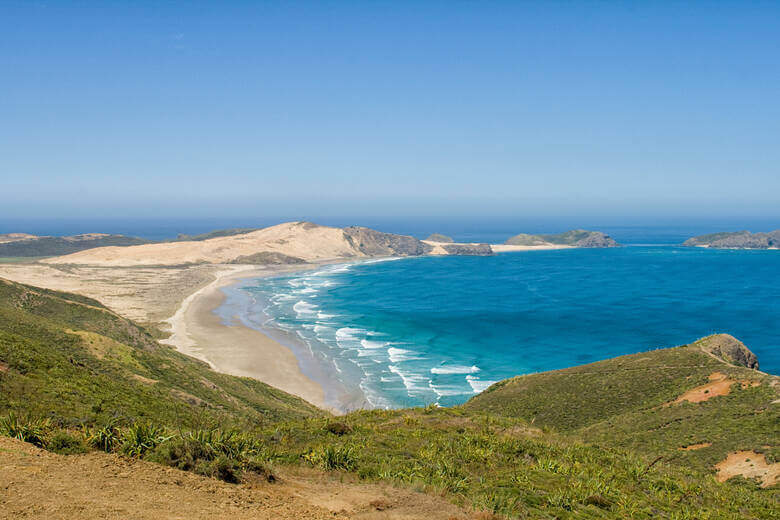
[{"x": 234, "y": 348}]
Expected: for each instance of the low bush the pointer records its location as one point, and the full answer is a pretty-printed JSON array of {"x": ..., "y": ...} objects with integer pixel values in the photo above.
[
  {"x": 105, "y": 438},
  {"x": 34, "y": 431},
  {"x": 333, "y": 457},
  {"x": 64, "y": 443},
  {"x": 140, "y": 438}
]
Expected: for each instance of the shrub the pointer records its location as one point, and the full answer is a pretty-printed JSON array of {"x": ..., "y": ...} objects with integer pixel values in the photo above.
[
  {"x": 26, "y": 429},
  {"x": 213, "y": 453},
  {"x": 66, "y": 444},
  {"x": 105, "y": 438},
  {"x": 338, "y": 428},
  {"x": 333, "y": 457},
  {"x": 140, "y": 438},
  {"x": 222, "y": 468}
]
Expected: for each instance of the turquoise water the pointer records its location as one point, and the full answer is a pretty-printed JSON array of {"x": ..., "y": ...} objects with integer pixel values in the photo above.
[{"x": 439, "y": 329}]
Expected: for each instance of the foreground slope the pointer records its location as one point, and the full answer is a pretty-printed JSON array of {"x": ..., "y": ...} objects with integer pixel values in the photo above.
[
  {"x": 693, "y": 404},
  {"x": 39, "y": 484},
  {"x": 69, "y": 358}
]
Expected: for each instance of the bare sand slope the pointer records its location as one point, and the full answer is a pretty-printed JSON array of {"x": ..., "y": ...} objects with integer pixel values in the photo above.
[
  {"x": 142, "y": 294},
  {"x": 38, "y": 484},
  {"x": 302, "y": 240}
]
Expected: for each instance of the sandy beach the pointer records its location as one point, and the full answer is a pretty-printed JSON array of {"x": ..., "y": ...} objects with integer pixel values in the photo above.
[{"x": 236, "y": 349}]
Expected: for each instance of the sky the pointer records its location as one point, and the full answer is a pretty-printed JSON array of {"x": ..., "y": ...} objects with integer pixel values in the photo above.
[{"x": 519, "y": 108}]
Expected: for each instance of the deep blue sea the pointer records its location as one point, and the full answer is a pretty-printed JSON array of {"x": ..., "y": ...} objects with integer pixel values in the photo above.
[
  {"x": 417, "y": 331},
  {"x": 437, "y": 330}
]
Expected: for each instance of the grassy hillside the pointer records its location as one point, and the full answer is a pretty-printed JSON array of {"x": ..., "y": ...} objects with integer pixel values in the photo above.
[
  {"x": 516, "y": 451},
  {"x": 68, "y": 358},
  {"x": 629, "y": 402}
]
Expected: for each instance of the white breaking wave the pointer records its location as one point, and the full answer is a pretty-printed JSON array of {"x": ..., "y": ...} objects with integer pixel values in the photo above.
[
  {"x": 303, "y": 307},
  {"x": 414, "y": 383},
  {"x": 478, "y": 385},
  {"x": 349, "y": 333},
  {"x": 367, "y": 343},
  {"x": 455, "y": 369},
  {"x": 397, "y": 355},
  {"x": 447, "y": 390}
]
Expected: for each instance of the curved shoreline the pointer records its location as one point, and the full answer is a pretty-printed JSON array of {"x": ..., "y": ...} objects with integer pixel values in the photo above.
[{"x": 197, "y": 331}]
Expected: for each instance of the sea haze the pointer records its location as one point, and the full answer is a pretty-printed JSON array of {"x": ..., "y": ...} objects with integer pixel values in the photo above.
[{"x": 427, "y": 330}]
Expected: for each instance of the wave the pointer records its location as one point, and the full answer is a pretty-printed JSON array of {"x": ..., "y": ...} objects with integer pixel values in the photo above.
[
  {"x": 447, "y": 390},
  {"x": 398, "y": 355},
  {"x": 455, "y": 369},
  {"x": 478, "y": 385},
  {"x": 349, "y": 333},
  {"x": 367, "y": 343},
  {"x": 303, "y": 307},
  {"x": 414, "y": 383}
]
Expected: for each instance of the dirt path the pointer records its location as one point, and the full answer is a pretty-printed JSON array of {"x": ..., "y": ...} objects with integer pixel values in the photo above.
[{"x": 38, "y": 484}]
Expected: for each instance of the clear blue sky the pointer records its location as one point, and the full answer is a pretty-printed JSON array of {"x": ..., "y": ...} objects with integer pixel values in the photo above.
[{"x": 388, "y": 108}]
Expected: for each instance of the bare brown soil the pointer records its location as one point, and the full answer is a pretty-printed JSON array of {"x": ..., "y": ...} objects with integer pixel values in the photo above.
[
  {"x": 38, "y": 484},
  {"x": 719, "y": 384},
  {"x": 749, "y": 464}
]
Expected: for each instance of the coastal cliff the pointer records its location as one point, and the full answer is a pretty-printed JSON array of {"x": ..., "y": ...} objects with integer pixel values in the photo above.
[
  {"x": 376, "y": 243},
  {"x": 736, "y": 240},
  {"x": 573, "y": 238},
  {"x": 468, "y": 249}
]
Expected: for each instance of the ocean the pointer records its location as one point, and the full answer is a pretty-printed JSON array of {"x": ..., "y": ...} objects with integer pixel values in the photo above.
[{"x": 417, "y": 331}]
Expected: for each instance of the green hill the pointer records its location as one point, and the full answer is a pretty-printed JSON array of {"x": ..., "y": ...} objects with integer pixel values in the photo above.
[
  {"x": 568, "y": 444},
  {"x": 629, "y": 402},
  {"x": 70, "y": 359},
  {"x": 574, "y": 238}
]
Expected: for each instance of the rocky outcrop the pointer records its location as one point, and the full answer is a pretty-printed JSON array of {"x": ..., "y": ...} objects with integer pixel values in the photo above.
[
  {"x": 573, "y": 238},
  {"x": 376, "y": 243},
  {"x": 729, "y": 349},
  {"x": 736, "y": 240},
  {"x": 268, "y": 258},
  {"x": 468, "y": 249},
  {"x": 436, "y": 237}
]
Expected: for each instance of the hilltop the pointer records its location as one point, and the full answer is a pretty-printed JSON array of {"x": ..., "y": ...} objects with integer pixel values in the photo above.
[
  {"x": 737, "y": 240},
  {"x": 637, "y": 436},
  {"x": 694, "y": 404},
  {"x": 573, "y": 238}
]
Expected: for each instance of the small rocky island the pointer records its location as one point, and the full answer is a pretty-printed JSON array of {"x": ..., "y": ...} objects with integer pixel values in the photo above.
[
  {"x": 737, "y": 240},
  {"x": 573, "y": 238},
  {"x": 438, "y": 237}
]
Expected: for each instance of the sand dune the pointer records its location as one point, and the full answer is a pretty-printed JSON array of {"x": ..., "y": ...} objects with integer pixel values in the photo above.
[
  {"x": 291, "y": 242},
  {"x": 301, "y": 240}
]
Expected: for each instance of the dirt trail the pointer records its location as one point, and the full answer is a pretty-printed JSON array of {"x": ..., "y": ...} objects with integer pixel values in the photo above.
[{"x": 38, "y": 484}]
